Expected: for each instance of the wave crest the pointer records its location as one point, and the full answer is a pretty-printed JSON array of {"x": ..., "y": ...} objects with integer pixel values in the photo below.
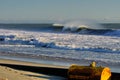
[{"x": 78, "y": 25}]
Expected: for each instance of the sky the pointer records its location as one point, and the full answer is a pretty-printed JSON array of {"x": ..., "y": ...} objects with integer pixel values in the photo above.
[{"x": 59, "y": 9}]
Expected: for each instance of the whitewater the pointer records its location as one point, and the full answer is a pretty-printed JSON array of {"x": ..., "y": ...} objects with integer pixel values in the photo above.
[{"x": 62, "y": 44}]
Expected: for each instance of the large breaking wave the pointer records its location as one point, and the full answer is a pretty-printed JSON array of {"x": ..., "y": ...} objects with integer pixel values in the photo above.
[{"x": 90, "y": 28}]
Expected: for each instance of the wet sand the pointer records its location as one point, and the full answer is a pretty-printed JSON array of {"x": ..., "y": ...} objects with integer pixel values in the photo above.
[{"x": 7, "y": 73}]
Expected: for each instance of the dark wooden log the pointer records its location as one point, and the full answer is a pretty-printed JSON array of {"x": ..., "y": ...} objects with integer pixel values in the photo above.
[
  {"x": 55, "y": 71},
  {"x": 77, "y": 72}
]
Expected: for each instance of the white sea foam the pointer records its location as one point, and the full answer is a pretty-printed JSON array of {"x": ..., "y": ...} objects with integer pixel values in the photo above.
[
  {"x": 65, "y": 41},
  {"x": 76, "y": 46}
]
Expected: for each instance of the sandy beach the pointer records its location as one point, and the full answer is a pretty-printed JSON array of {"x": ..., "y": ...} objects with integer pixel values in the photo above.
[
  {"x": 21, "y": 70},
  {"x": 7, "y": 73}
]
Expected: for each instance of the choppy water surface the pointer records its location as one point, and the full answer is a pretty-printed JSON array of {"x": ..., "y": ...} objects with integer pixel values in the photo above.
[{"x": 66, "y": 44}]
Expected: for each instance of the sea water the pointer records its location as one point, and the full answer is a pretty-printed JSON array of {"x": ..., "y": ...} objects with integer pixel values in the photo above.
[{"x": 73, "y": 42}]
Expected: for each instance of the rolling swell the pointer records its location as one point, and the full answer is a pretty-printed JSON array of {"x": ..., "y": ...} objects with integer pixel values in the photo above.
[{"x": 28, "y": 27}]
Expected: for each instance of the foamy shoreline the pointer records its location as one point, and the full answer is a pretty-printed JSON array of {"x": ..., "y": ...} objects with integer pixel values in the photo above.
[{"x": 42, "y": 59}]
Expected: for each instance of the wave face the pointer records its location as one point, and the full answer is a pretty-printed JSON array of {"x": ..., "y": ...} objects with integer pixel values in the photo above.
[{"x": 91, "y": 28}]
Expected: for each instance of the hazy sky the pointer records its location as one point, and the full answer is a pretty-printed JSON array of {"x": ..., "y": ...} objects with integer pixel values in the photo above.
[{"x": 59, "y": 9}]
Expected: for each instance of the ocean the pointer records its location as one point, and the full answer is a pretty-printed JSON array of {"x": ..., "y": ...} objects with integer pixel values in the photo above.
[{"x": 63, "y": 43}]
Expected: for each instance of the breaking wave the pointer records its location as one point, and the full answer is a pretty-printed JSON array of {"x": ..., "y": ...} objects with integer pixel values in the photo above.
[
  {"x": 90, "y": 27},
  {"x": 76, "y": 25}
]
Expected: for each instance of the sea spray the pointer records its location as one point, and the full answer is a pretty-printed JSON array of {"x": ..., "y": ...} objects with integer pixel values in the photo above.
[{"x": 75, "y": 25}]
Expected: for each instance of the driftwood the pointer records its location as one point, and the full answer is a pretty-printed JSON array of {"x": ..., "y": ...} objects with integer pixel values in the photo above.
[
  {"x": 3, "y": 79},
  {"x": 77, "y": 72}
]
